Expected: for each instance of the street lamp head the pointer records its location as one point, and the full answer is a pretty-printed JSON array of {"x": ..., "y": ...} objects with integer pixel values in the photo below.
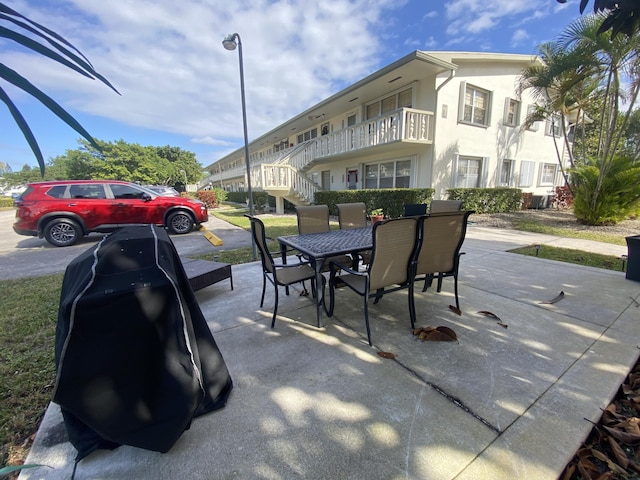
[{"x": 229, "y": 41}]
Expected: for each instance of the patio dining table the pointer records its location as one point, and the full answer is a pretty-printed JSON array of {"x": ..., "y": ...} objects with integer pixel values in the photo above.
[{"x": 318, "y": 247}]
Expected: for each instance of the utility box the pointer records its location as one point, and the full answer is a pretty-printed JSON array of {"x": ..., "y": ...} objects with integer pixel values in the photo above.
[{"x": 633, "y": 258}]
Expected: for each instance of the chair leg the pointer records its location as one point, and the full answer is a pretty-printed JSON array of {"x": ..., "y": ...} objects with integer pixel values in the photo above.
[
  {"x": 378, "y": 296},
  {"x": 440, "y": 277},
  {"x": 264, "y": 286},
  {"x": 455, "y": 289},
  {"x": 366, "y": 318},
  {"x": 275, "y": 309},
  {"x": 412, "y": 306},
  {"x": 332, "y": 278},
  {"x": 428, "y": 280}
]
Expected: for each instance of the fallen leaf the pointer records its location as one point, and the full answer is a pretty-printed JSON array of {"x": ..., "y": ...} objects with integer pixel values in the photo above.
[
  {"x": 556, "y": 299},
  {"x": 503, "y": 324},
  {"x": 386, "y": 355},
  {"x": 455, "y": 309},
  {"x": 439, "y": 334},
  {"x": 623, "y": 436},
  {"x": 489, "y": 314},
  {"x": 621, "y": 457}
]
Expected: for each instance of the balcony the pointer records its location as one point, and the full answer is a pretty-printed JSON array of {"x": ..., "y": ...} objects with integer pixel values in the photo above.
[{"x": 405, "y": 125}]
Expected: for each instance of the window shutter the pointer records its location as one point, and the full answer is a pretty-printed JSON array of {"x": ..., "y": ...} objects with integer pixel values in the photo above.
[
  {"x": 505, "y": 117},
  {"x": 484, "y": 174},
  {"x": 463, "y": 91},
  {"x": 487, "y": 120},
  {"x": 454, "y": 170},
  {"x": 527, "y": 172}
]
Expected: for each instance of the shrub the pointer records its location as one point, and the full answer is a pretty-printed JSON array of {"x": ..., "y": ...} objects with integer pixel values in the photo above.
[
  {"x": 209, "y": 197},
  {"x": 601, "y": 199},
  {"x": 488, "y": 200},
  {"x": 390, "y": 200}
]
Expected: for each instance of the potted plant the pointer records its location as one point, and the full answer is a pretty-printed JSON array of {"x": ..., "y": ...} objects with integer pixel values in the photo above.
[{"x": 376, "y": 215}]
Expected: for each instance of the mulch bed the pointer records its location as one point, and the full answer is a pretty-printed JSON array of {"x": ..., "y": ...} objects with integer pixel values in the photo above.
[{"x": 612, "y": 450}]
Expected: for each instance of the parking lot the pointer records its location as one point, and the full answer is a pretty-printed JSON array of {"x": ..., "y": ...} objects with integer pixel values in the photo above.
[{"x": 22, "y": 256}]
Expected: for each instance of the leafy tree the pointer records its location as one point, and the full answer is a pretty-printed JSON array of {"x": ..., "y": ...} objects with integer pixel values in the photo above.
[
  {"x": 48, "y": 43},
  {"x": 183, "y": 164},
  {"x": 118, "y": 160}
]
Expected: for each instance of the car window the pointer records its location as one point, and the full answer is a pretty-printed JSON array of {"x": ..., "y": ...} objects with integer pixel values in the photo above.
[
  {"x": 57, "y": 191},
  {"x": 126, "y": 192},
  {"x": 87, "y": 191}
]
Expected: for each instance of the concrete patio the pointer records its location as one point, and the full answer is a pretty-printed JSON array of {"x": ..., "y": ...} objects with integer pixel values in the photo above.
[{"x": 500, "y": 403}]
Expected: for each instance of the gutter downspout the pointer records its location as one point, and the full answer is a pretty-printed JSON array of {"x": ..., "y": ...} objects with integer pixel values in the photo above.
[{"x": 452, "y": 74}]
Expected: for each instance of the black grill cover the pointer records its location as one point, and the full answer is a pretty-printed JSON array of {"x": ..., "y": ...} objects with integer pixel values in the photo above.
[{"x": 135, "y": 358}]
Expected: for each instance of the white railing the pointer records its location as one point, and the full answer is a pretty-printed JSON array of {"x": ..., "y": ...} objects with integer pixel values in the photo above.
[
  {"x": 279, "y": 171},
  {"x": 288, "y": 180},
  {"x": 405, "y": 124}
]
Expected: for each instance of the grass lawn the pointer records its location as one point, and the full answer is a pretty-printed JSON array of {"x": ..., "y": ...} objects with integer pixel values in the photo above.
[
  {"x": 29, "y": 316},
  {"x": 568, "y": 255}
]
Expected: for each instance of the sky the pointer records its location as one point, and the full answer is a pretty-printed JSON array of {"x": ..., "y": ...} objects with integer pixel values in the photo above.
[{"x": 178, "y": 85}]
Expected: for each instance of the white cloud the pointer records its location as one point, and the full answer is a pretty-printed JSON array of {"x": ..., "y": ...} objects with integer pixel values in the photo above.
[
  {"x": 167, "y": 60},
  {"x": 519, "y": 37}
]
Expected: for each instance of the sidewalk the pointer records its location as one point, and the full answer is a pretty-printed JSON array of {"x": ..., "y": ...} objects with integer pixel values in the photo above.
[{"x": 501, "y": 403}]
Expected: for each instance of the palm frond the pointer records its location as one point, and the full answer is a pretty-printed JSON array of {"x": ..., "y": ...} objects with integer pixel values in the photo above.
[
  {"x": 59, "y": 50},
  {"x": 24, "y": 128}
]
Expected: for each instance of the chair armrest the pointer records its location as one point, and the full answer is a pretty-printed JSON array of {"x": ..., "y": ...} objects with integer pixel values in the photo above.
[{"x": 340, "y": 266}]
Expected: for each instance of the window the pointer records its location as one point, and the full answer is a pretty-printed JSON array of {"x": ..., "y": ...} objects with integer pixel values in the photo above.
[
  {"x": 86, "y": 191},
  {"x": 278, "y": 147},
  {"x": 308, "y": 135},
  {"x": 468, "y": 172},
  {"x": 475, "y": 105},
  {"x": 390, "y": 103},
  {"x": 351, "y": 120},
  {"x": 531, "y": 110},
  {"x": 506, "y": 173},
  {"x": 126, "y": 192},
  {"x": 392, "y": 174},
  {"x": 511, "y": 112},
  {"x": 527, "y": 170},
  {"x": 552, "y": 126},
  {"x": 548, "y": 174}
]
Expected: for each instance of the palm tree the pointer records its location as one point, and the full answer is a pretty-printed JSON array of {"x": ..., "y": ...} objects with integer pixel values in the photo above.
[
  {"x": 561, "y": 85},
  {"x": 622, "y": 16},
  {"x": 49, "y": 44},
  {"x": 612, "y": 60}
]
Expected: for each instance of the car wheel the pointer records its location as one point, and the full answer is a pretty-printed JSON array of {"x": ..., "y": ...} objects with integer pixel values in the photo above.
[
  {"x": 62, "y": 232},
  {"x": 180, "y": 223}
]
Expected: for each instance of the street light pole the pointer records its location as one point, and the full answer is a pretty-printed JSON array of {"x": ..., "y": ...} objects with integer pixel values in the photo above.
[{"x": 229, "y": 43}]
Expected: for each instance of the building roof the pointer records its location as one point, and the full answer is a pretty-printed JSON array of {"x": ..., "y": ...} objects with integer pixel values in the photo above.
[{"x": 412, "y": 67}]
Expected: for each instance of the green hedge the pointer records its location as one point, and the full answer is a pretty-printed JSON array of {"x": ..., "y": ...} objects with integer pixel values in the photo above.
[
  {"x": 390, "y": 200},
  {"x": 6, "y": 202},
  {"x": 488, "y": 200}
]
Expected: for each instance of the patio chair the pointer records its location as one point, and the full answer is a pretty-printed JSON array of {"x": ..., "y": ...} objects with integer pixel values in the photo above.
[
  {"x": 354, "y": 215},
  {"x": 414, "y": 209},
  {"x": 394, "y": 242},
  {"x": 278, "y": 275},
  {"x": 315, "y": 219},
  {"x": 441, "y": 236},
  {"x": 440, "y": 206}
]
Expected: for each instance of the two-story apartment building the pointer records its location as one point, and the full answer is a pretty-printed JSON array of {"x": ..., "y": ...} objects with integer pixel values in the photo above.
[{"x": 430, "y": 119}]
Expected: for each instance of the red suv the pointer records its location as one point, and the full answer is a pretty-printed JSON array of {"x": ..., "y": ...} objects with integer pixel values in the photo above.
[{"x": 64, "y": 211}]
